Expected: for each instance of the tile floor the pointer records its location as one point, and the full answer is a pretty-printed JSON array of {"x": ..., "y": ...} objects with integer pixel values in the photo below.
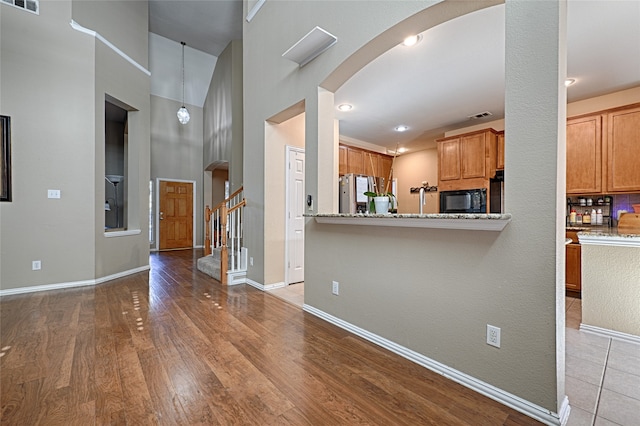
[
  {"x": 602, "y": 375},
  {"x": 293, "y": 294}
]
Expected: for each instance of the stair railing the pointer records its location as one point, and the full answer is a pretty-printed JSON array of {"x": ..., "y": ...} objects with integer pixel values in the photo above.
[{"x": 224, "y": 230}]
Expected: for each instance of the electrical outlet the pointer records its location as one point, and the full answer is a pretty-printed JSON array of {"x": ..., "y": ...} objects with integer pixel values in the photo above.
[
  {"x": 251, "y": 261},
  {"x": 36, "y": 265},
  {"x": 53, "y": 193},
  {"x": 335, "y": 289},
  {"x": 493, "y": 336}
]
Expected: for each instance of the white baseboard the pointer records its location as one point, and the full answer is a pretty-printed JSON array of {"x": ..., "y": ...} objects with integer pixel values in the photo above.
[
  {"x": 236, "y": 277},
  {"x": 58, "y": 286},
  {"x": 610, "y": 333},
  {"x": 528, "y": 408},
  {"x": 264, "y": 287}
]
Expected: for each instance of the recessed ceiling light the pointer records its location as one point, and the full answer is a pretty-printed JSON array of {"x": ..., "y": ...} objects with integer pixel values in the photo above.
[
  {"x": 568, "y": 82},
  {"x": 401, "y": 150},
  {"x": 401, "y": 128},
  {"x": 345, "y": 107},
  {"x": 412, "y": 40}
]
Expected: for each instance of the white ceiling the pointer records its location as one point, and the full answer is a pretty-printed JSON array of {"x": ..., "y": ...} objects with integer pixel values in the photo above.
[{"x": 457, "y": 70}]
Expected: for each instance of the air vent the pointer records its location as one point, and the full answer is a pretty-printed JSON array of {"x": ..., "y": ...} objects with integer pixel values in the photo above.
[
  {"x": 480, "y": 115},
  {"x": 32, "y": 6}
]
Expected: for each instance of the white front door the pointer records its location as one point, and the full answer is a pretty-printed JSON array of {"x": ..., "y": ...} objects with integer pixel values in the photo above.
[{"x": 294, "y": 211}]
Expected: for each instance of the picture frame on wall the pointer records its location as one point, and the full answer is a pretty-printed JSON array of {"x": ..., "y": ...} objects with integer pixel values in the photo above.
[{"x": 5, "y": 159}]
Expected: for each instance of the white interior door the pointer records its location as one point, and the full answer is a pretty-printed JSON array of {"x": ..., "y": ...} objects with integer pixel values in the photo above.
[{"x": 294, "y": 219}]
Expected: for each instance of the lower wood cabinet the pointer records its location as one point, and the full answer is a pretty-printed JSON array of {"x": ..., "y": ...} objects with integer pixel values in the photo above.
[{"x": 573, "y": 267}]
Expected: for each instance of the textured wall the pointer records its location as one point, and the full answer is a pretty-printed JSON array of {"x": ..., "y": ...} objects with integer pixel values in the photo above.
[{"x": 611, "y": 288}]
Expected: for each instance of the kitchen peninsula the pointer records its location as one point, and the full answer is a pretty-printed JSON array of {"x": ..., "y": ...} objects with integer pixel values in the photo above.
[
  {"x": 611, "y": 283},
  {"x": 477, "y": 222}
]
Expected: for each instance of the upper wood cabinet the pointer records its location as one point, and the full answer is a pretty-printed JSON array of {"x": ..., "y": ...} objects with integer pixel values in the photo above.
[
  {"x": 449, "y": 160},
  {"x": 584, "y": 155},
  {"x": 355, "y": 161},
  {"x": 500, "y": 151},
  {"x": 466, "y": 161},
  {"x": 385, "y": 162},
  {"x": 623, "y": 151},
  {"x": 342, "y": 160},
  {"x": 362, "y": 162}
]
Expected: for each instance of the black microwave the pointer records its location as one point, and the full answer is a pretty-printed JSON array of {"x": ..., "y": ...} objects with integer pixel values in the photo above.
[{"x": 466, "y": 201}]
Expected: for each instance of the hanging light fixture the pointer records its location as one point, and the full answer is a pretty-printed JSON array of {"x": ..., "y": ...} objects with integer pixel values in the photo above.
[{"x": 183, "y": 114}]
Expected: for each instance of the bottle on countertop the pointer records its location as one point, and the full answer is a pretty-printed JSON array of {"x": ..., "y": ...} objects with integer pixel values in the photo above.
[
  {"x": 599, "y": 217},
  {"x": 586, "y": 218},
  {"x": 572, "y": 217},
  {"x": 579, "y": 218}
]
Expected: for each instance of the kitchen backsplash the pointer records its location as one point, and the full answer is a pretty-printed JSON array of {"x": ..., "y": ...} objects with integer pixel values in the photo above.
[{"x": 610, "y": 211}]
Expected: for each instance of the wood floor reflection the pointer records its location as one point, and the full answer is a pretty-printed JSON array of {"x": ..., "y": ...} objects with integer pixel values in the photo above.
[{"x": 174, "y": 347}]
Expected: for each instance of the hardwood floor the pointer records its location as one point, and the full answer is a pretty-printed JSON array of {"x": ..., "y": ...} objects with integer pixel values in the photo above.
[{"x": 174, "y": 347}]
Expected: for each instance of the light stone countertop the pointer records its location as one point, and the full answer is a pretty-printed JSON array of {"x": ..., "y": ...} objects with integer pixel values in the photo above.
[
  {"x": 478, "y": 222},
  {"x": 607, "y": 237}
]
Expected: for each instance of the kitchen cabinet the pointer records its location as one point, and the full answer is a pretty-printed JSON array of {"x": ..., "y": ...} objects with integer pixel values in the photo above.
[
  {"x": 355, "y": 161},
  {"x": 342, "y": 160},
  {"x": 363, "y": 162},
  {"x": 584, "y": 155},
  {"x": 449, "y": 160},
  {"x": 500, "y": 151},
  {"x": 573, "y": 263},
  {"x": 573, "y": 267},
  {"x": 467, "y": 161},
  {"x": 623, "y": 150},
  {"x": 386, "y": 163}
]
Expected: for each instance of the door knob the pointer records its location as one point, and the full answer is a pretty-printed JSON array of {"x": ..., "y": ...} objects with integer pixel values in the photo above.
[{"x": 161, "y": 215}]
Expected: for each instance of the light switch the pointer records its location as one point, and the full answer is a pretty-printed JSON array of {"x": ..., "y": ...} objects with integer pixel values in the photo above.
[{"x": 54, "y": 193}]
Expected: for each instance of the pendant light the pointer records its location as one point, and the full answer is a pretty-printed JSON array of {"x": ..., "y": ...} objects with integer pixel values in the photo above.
[{"x": 183, "y": 114}]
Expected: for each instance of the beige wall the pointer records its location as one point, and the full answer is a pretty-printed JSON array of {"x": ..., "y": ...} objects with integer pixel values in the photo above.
[
  {"x": 611, "y": 288},
  {"x": 54, "y": 81},
  {"x": 223, "y": 116},
  {"x": 123, "y": 23},
  {"x": 439, "y": 288},
  {"x": 411, "y": 170},
  {"x": 176, "y": 151},
  {"x": 277, "y": 138}
]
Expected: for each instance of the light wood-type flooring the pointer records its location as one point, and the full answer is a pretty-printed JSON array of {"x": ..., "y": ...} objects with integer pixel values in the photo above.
[{"x": 174, "y": 347}]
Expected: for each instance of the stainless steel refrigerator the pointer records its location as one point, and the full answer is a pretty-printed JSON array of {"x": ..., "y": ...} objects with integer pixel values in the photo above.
[{"x": 351, "y": 189}]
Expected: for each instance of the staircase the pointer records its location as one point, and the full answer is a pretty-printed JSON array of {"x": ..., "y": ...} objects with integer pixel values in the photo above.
[{"x": 225, "y": 258}]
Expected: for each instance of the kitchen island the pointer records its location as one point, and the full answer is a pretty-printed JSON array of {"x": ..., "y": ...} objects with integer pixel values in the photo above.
[{"x": 611, "y": 283}]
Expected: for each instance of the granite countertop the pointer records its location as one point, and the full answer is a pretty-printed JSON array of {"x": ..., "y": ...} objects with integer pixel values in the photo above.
[
  {"x": 602, "y": 235},
  {"x": 478, "y": 222}
]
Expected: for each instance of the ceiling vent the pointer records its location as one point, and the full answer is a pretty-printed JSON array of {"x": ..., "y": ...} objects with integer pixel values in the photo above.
[
  {"x": 32, "y": 6},
  {"x": 480, "y": 115}
]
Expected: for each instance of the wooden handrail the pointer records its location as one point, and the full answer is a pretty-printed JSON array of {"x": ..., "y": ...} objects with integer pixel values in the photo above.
[
  {"x": 237, "y": 206},
  {"x": 239, "y": 190},
  {"x": 222, "y": 212}
]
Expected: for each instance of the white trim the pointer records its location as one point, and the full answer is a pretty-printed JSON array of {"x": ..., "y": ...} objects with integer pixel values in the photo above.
[
  {"x": 72, "y": 284},
  {"x": 256, "y": 7},
  {"x": 565, "y": 411},
  {"x": 110, "y": 45},
  {"x": 157, "y": 212},
  {"x": 122, "y": 233},
  {"x": 287, "y": 237},
  {"x": 236, "y": 277},
  {"x": 264, "y": 287},
  {"x": 605, "y": 332},
  {"x": 515, "y": 402}
]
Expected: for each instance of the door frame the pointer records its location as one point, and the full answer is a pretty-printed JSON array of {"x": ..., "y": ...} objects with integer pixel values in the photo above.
[
  {"x": 156, "y": 214},
  {"x": 289, "y": 149}
]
